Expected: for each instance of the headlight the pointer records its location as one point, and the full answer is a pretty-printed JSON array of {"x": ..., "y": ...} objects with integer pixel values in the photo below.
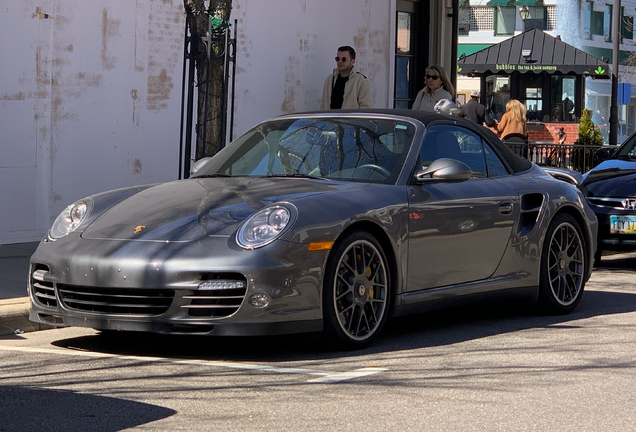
[
  {"x": 264, "y": 227},
  {"x": 70, "y": 218}
]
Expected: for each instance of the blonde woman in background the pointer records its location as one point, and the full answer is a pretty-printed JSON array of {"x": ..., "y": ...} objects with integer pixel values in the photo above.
[
  {"x": 513, "y": 121},
  {"x": 437, "y": 87}
]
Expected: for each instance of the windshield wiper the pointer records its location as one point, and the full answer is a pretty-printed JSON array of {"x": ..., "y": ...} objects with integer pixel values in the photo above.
[
  {"x": 211, "y": 175},
  {"x": 297, "y": 175}
]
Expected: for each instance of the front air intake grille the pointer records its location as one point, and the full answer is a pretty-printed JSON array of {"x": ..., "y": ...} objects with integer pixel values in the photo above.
[
  {"x": 43, "y": 291},
  {"x": 217, "y": 303},
  {"x": 116, "y": 301}
]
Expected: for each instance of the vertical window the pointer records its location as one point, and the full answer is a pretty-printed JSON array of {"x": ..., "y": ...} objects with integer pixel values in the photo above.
[
  {"x": 607, "y": 22},
  {"x": 404, "y": 62},
  {"x": 537, "y": 18},
  {"x": 410, "y": 53},
  {"x": 627, "y": 26},
  {"x": 497, "y": 95},
  {"x": 562, "y": 98},
  {"x": 587, "y": 20},
  {"x": 505, "y": 20},
  {"x": 464, "y": 19}
]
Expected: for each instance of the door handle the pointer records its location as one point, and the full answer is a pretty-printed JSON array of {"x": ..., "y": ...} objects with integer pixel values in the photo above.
[{"x": 505, "y": 208}]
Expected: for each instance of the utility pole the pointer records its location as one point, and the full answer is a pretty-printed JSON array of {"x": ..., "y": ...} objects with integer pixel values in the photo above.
[{"x": 613, "y": 120}]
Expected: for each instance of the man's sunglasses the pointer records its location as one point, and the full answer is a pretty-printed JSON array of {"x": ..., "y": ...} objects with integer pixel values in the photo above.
[
  {"x": 433, "y": 77},
  {"x": 344, "y": 59}
]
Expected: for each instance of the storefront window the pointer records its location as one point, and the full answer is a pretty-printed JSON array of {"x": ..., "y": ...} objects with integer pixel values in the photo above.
[
  {"x": 534, "y": 102},
  {"x": 533, "y": 94},
  {"x": 562, "y": 99},
  {"x": 497, "y": 95}
]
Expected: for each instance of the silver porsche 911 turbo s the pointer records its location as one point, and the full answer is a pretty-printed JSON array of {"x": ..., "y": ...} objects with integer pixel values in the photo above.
[{"x": 325, "y": 222}]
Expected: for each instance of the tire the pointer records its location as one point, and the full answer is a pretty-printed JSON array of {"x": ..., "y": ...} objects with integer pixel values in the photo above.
[
  {"x": 564, "y": 264},
  {"x": 356, "y": 291}
]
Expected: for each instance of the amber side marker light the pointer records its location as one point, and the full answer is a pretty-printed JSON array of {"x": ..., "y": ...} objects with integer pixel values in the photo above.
[{"x": 317, "y": 246}]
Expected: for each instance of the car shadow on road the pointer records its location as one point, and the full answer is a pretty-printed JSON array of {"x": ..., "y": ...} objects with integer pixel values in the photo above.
[
  {"x": 437, "y": 328},
  {"x": 429, "y": 329}
]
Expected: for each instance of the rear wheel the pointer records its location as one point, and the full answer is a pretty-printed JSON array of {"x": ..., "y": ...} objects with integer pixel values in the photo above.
[
  {"x": 356, "y": 291},
  {"x": 564, "y": 264}
]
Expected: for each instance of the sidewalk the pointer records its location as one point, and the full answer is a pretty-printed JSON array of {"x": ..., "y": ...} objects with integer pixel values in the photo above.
[{"x": 14, "y": 303}]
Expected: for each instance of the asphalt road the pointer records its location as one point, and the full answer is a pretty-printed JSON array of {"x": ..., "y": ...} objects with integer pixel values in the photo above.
[{"x": 495, "y": 368}]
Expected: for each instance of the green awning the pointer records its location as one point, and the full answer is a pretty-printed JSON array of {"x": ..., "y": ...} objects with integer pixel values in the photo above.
[
  {"x": 499, "y": 3},
  {"x": 528, "y": 2},
  {"x": 468, "y": 49}
]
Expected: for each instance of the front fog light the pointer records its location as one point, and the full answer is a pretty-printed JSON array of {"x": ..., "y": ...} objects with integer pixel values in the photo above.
[{"x": 259, "y": 300}]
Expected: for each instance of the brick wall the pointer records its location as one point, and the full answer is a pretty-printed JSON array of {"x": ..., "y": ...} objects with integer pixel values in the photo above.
[{"x": 549, "y": 132}]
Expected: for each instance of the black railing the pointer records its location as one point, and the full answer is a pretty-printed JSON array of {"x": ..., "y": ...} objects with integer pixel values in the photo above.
[{"x": 572, "y": 156}]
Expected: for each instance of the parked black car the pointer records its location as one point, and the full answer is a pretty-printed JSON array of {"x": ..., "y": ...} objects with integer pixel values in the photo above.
[{"x": 610, "y": 189}]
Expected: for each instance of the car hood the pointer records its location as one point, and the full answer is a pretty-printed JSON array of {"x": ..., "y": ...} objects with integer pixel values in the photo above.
[
  {"x": 611, "y": 178},
  {"x": 187, "y": 210}
]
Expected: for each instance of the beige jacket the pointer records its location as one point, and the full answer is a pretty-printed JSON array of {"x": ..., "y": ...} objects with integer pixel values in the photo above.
[{"x": 357, "y": 93}]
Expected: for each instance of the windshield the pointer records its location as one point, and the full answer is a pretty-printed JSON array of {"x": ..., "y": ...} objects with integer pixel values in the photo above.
[
  {"x": 627, "y": 150},
  {"x": 350, "y": 149}
]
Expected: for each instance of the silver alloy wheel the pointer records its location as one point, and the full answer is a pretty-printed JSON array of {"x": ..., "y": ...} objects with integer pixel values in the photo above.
[
  {"x": 566, "y": 264},
  {"x": 360, "y": 290}
]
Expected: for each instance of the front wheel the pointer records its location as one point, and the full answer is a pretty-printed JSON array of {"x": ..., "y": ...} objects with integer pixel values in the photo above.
[
  {"x": 356, "y": 291},
  {"x": 564, "y": 264}
]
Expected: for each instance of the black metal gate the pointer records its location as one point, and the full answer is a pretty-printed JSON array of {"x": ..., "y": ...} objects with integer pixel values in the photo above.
[{"x": 198, "y": 53}]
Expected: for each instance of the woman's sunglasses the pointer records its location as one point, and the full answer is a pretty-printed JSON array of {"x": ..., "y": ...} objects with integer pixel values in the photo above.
[{"x": 433, "y": 77}]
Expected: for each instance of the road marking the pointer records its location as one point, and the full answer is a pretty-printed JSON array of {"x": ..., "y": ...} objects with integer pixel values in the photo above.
[
  {"x": 342, "y": 376},
  {"x": 323, "y": 377}
]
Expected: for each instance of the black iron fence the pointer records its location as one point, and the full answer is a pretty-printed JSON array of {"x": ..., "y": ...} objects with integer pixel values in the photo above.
[{"x": 572, "y": 156}]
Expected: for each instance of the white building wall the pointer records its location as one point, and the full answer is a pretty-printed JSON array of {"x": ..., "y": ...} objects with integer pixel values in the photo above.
[
  {"x": 89, "y": 101},
  {"x": 282, "y": 63},
  {"x": 90, "y": 95}
]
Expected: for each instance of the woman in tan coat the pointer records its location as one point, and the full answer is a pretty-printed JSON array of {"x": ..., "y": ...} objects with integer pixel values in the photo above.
[{"x": 513, "y": 121}]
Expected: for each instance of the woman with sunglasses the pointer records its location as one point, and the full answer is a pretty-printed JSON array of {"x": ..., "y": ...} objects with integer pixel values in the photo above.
[{"x": 437, "y": 87}]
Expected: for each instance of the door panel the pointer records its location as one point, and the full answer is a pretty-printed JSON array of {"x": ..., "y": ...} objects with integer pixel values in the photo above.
[{"x": 458, "y": 232}]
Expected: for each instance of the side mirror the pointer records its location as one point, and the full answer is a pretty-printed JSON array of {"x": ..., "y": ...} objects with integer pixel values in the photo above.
[
  {"x": 444, "y": 169},
  {"x": 199, "y": 164},
  {"x": 606, "y": 152}
]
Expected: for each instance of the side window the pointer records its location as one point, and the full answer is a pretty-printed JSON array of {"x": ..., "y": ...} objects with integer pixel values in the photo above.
[
  {"x": 455, "y": 142},
  {"x": 496, "y": 168}
]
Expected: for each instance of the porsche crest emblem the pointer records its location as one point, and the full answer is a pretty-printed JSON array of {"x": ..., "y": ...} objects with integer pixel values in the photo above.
[{"x": 139, "y": 228}]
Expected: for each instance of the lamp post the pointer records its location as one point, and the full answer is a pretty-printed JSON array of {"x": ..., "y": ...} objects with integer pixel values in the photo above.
[
  {"x": 613, "y": 120},
  {"x": 524, "y": 13}
]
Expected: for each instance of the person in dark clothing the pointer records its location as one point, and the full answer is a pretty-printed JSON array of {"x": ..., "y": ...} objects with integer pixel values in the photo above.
[{"x": 476, "y": 112}]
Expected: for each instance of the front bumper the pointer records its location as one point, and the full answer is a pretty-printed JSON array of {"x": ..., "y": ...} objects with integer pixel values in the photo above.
[{"x": 154, "y": 287}]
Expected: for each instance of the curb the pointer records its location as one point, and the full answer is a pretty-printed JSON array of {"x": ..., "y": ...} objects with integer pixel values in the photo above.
[{"x": 14, "y": 317}]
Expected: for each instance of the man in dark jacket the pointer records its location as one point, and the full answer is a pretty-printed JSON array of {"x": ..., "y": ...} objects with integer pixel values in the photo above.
[{"x": 476, "y": 112}]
